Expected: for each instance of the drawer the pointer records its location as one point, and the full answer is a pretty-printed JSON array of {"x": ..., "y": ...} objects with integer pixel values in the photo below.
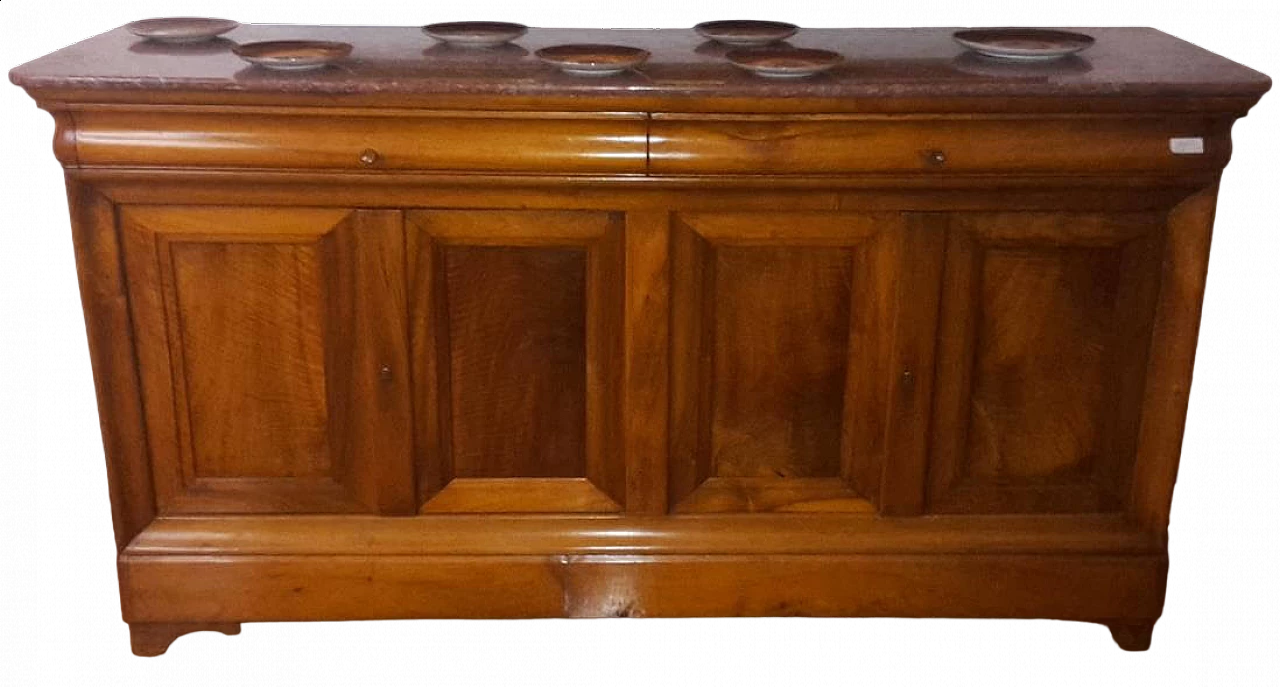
[
  {"x": 560, "y": 143},
  {"x": 834, "y": 144}
]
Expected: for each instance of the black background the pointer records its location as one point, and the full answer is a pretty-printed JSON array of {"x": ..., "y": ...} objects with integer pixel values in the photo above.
[{"x": 62, "y": 595}]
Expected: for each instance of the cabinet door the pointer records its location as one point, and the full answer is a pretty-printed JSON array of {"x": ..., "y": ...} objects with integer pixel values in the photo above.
[
  {"x": 517, "y": 351},
  {"x": 273, "y": 357},
  {"x": 1045, "y": 332},
  {"x": 801, "y": 347}
]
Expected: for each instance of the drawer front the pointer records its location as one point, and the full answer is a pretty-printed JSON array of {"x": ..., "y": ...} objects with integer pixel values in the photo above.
[
  {"x": 542, "y": 143},
  {"x": 817, "y": 145}
]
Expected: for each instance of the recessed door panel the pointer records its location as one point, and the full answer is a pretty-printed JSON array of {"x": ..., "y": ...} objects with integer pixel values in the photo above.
[
  {"x": 1045, "y": 332},
  {"x": 791, "y": 333},
  {"x": 780, "y": 360},
  {"x": 517, "y": 373},
  {"x": 517, "y": 348},
  {"x": 271, "y": 418},
  {"x": 274, "y": 360}
]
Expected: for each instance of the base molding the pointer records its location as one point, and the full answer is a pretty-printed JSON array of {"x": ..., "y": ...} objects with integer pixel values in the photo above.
[
  {"x": 153, "y": 639},
  {"x": 244, "y": 588}
]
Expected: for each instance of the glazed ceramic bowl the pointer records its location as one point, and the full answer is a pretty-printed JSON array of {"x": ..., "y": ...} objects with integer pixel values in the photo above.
[
  {"x": 746, "y": 32},
  {"x": 783, "y": 63},
  {"x": 476, "y": 34},
  {"x": 593, "y": 59},
  {"x": 1026, "y": 45},
  {"x": 293, "y": 55},
  {"x": 181, "y": 29}
]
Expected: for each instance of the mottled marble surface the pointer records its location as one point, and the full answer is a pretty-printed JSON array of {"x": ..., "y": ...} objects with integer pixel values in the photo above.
[{"x": 888, "y": 63}]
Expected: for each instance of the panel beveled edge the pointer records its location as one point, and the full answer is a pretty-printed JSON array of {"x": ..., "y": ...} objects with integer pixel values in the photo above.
[
  {"x": 520, "y": 495},
  {"x": 1167, "y": 388},
  {"x": 912, "y": 370},
  {"x": 108, "y": 316},
  {"x": 834, "y": 228},
  {"x": 601, "y": 235},
  {"x": 262, "y": 225},
  {"x": 695, "y": 236},
  {"x": 646, "y": 343}
]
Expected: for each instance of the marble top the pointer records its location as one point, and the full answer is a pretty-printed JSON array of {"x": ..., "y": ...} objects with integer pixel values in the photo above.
[{"x": 879, "y": 63}]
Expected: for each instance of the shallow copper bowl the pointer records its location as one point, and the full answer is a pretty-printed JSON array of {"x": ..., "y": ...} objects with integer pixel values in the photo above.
[
  {"x": 1023, "y": 44},
  {"x": 784, "y": 62},
  {"x": 479, "y": 34},
  {"x": 181, "y": 29},
  {"x": 593, "y": 59},
  {"x": 746, "y": 32},
  {"x": 293, "y": 55}
]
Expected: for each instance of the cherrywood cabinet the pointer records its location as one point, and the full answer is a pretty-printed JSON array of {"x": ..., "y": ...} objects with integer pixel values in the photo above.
[{"x": 437, "y": 338}]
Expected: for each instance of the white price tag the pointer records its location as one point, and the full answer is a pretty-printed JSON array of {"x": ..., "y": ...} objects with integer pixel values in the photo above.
[{"x": 1187, "y": 146}]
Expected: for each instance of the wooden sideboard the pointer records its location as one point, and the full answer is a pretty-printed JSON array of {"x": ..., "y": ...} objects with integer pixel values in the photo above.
[{"x": 445, "y": 333}]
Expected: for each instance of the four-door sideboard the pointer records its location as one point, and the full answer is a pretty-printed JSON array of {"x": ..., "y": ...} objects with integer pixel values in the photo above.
[{"x": 446, "y": 333}]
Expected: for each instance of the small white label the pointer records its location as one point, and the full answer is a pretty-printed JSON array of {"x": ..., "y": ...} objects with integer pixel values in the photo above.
[{"x": 1187, "y": 146}]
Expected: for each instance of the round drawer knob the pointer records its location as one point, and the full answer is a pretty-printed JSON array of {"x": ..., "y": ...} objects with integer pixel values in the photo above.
[
  {"x": 369, "y": 157},
  {"x": 935, "y": 158}
]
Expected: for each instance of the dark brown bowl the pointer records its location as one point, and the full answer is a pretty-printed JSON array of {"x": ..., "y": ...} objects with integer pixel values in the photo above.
[
  {"x": 293, "y": 55},
  {"x": 784, "y": 63},
  {"x": 181, "y": 29},
  {"x": 475, "y": 34},
  {"x": 746, "y": 32},
  {"x": 593, "y": 59},
  {"x": 1026, "y": 45}
]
